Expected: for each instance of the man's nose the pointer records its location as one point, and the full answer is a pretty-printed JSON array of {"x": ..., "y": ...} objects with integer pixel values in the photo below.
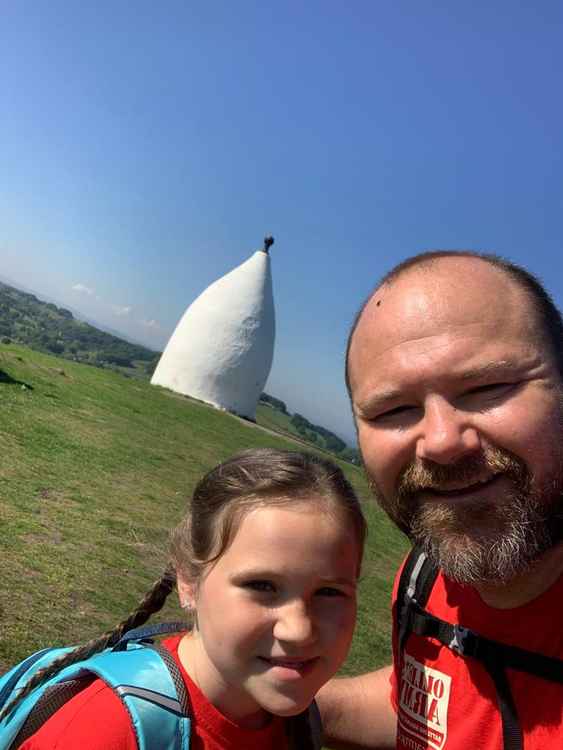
[
  {"x": 294, "y": 623},
  {"x": 447, "y": 434}
]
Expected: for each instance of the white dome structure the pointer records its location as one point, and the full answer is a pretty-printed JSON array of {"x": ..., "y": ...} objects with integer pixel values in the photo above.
[{"x": 222, "y": 349}]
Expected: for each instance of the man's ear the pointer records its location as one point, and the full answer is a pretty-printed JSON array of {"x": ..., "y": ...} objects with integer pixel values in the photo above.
[{"x": 186, "y": 592}]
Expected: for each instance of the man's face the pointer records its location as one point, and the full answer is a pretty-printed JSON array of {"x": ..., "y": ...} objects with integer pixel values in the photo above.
[{"x": 457, "y": 404}]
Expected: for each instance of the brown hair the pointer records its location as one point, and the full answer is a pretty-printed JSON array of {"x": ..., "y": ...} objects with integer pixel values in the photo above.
[{"x": 250, "y": 479}]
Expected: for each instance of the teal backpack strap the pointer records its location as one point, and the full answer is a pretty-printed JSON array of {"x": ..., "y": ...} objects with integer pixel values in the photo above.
[
  {"x": 11, "y": 683},
  {"x": 159, "y": 716}
]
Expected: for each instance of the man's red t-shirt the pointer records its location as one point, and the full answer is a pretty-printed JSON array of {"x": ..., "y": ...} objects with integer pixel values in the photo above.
[
  {"x": 96, "y": 719},
  {"x": 447, "y": 702}
]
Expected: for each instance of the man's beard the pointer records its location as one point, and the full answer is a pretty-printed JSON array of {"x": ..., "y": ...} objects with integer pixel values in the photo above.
[{"x": 476, "y": 541}]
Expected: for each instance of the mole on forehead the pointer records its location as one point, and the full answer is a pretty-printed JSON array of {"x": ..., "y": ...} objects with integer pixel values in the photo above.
[{"x": 452, "y": 271}]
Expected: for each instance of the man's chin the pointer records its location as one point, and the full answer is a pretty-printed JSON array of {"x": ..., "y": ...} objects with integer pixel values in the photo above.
[{"x": 482, "y": 554}]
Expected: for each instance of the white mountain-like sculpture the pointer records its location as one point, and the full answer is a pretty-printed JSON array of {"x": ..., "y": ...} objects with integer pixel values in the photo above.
[{"x": 222, "y": 349}]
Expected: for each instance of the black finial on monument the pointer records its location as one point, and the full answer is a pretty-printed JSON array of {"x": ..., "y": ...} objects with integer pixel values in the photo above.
[{"x": 268, "y": 242}]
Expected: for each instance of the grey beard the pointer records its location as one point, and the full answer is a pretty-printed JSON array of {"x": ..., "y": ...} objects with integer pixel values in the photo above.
[
  {"x": 470, "y": 553},
  {"x": 479, "y": 541}
]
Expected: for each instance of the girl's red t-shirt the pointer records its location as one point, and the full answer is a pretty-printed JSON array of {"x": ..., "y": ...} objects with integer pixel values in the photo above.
[{"x": 95, "y": 719}]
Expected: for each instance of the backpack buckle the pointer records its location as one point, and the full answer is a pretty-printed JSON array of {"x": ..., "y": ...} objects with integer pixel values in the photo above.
[{"x": 464, "y": 641}]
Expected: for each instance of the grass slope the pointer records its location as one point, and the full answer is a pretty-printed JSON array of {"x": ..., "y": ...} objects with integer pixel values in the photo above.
[
  {"x": 276, "y": 420},
  {"x": 95, "y": 469}
]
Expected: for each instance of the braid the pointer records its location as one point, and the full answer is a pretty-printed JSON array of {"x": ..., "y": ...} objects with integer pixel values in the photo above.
[{"x": 152, "y": 602}]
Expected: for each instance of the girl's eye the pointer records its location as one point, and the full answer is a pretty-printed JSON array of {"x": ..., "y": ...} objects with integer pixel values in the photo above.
[
  {"x": 265, "y": 586},
  {"x": 330, "y": 591}
]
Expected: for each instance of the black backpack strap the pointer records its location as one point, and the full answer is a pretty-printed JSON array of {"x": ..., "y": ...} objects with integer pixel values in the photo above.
[
  {"x": 316, "y": 725},
  {"x": 511, "y": 732},
  {"x": 467, "y": 643},
  {"x": 304, "y": 731},
  {"x": 415, "y": 584}
]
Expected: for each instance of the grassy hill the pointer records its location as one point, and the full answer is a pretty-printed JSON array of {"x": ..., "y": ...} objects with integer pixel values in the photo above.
[
  {"x": 296, "y": 426},
  {"x": 43, "y": 326},
  {"x": 95, "y": 468}
]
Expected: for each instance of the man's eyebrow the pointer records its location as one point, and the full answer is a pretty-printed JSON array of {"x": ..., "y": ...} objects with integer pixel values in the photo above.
[
  {"x": 501, "y": 367},
  {"x": 378, "y": 400}
]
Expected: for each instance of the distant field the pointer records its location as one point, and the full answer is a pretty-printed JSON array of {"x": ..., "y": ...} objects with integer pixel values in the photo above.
[
  {"x": 94, "y": 470},
  {"x": 275, "y": 420}
]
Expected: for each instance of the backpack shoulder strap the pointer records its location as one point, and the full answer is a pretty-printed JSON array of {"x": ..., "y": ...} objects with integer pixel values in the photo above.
[
  {"x": 13, "y": 682},
  {"x": 315, "y": 723},
  {"x": 147, "y": 684},
  {"x": 9, "y": 680},
  {"x": 415, "y": 584},
  {"x": 304, "y": 731}
]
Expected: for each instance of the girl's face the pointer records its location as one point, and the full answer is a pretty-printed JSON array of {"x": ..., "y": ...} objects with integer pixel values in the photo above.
[{"x": 275, "y": 613}]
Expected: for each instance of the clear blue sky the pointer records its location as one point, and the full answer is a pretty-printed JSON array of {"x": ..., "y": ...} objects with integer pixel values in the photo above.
[{"x": 146, "y": 148}]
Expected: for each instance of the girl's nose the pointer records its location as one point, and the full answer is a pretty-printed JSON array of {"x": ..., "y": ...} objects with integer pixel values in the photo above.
[{"x": 294, "y": 624}]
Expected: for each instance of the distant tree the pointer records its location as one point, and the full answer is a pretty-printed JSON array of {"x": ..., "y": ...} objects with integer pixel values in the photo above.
[
  {"x": 117, "y": 359},
  {"x": 300, "y": 423},
  {"x": 150, "y": 366},
  {"x": 352, "y": 455},
  {"x": 275, "y": 402},
  {"x": 55, "y": 347},
  {"x": 334, "y": 443}
]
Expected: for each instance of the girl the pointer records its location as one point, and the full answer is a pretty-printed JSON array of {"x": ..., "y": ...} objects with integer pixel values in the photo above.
[{"x": 266, "y": 564}]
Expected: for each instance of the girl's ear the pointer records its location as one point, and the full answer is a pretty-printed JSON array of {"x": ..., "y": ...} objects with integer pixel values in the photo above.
[{"x": 186, "y": 592}]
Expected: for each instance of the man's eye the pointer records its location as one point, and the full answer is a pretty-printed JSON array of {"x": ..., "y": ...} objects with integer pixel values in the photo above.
[
  {"x": 490, "y": 388},
  {"x": 489, "y": 392},
  {"x": 258, "y": 585},
  {"x": 398, "y": 412}
]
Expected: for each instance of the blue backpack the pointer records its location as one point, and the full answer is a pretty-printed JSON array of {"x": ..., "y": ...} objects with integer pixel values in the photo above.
[{"x": 160, "y": 715}]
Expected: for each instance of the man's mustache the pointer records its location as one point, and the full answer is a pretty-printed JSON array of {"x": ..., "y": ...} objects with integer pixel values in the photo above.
[{"x": 492, "y": 461}]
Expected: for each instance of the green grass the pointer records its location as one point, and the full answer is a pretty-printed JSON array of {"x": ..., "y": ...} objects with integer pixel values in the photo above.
[
  {"x": 95, "y": 469},
  {"x": 274, "y": 419}
]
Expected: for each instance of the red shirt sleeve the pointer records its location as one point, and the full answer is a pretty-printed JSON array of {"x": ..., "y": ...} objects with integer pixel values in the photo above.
[{"x": 95, "y": 719}]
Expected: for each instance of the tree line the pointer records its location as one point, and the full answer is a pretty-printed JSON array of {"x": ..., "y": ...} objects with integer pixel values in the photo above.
[{"x": 43, "y": 326}]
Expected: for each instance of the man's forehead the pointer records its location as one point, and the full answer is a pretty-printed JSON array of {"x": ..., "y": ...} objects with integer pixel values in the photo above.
[
  {"x": 438, "y": 296},
  {"x": 452, "y": 287}
]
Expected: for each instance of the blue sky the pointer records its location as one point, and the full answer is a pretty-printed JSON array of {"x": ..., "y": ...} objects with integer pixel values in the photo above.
[{"x": 146, "y": 148}]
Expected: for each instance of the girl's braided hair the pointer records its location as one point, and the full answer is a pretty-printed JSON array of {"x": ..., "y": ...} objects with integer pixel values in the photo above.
[
  {"x": 152, "y": 602},
  {"x": 251, "y": 479}
]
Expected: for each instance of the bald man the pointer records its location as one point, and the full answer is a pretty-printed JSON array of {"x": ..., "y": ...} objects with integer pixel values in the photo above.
[{"x": 455, "y": 375}]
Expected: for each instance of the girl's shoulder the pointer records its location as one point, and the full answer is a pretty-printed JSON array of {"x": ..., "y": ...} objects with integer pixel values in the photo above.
[{"x": 95, "y": 719}]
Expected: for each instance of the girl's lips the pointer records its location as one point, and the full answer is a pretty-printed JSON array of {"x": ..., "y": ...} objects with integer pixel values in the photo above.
[{"x": 289, "y": 668}]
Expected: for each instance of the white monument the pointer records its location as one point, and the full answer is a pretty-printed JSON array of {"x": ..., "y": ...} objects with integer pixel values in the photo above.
[{"x": 222, "y": 349}]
